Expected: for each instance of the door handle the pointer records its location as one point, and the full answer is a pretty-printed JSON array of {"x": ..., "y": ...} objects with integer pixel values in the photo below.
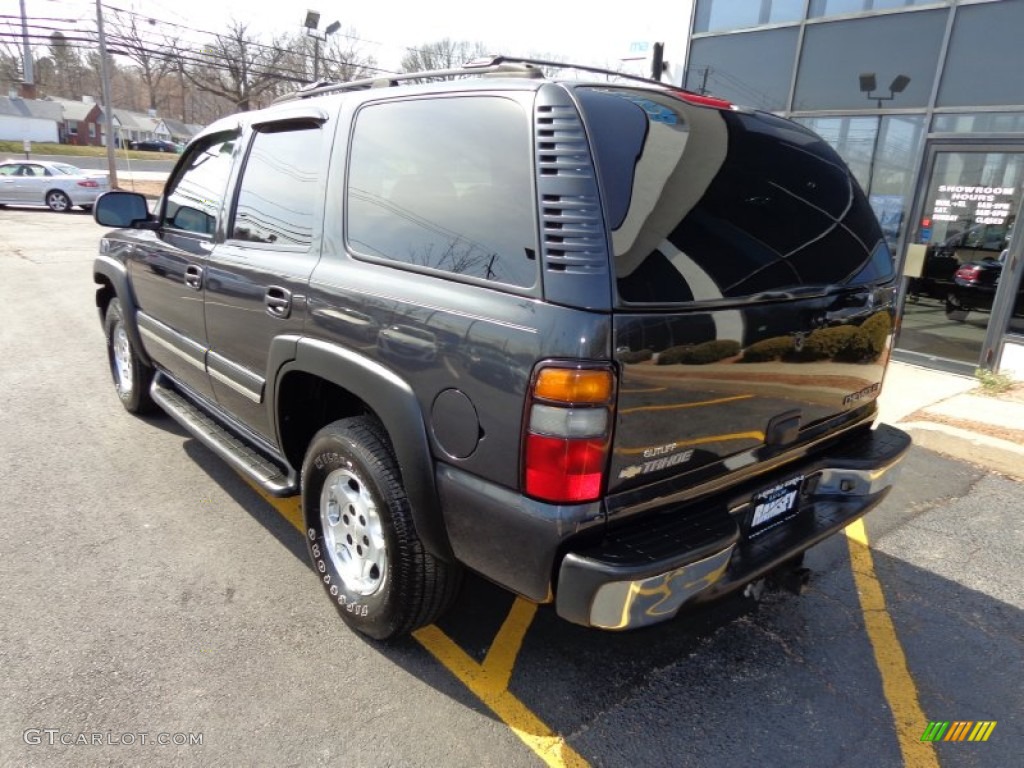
[
  {"x": 194, "y": 277},
  {"x": 278, "y": 301}
]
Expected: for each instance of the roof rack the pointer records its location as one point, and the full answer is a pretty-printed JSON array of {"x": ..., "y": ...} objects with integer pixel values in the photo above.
[{"x": 491, "y": 66}]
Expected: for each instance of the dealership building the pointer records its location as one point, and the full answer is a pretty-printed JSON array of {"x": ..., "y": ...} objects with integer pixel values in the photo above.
[{"x": 925, "y": 102}]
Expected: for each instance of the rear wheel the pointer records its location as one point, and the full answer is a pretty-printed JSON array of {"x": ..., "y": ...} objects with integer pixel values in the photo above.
[
  {"x": 132, "y": 378},
  {"x": 361, "y": 537},
  {"x": 58, "y": 201}
]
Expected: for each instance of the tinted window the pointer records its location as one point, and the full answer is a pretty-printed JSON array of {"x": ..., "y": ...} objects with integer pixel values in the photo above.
[
  {"x": 986, "y": 56},
  {"x": 723, "y": 204},
  {"x": 195, "y": 200},
  {"x": 445, "y": 184},
  {"x": 278, "y": 190},
  {"x": 836, "y": 54},
  {"x": 753, "y": 68}
]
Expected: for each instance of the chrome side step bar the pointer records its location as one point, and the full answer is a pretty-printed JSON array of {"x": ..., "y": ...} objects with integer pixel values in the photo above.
[{"x": 255, "y": 466}]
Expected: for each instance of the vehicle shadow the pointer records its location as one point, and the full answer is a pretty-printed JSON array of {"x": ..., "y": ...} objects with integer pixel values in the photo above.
[{"x": 787, "y": 681}]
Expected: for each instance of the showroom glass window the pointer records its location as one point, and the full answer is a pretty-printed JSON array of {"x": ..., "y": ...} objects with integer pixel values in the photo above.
[
  {"x": 837, "y": 7},
  {"x": 720, "y": 15},
  {"x": 835, "y": 54},
  {"x": 888, "y": 175},
  {"x": 278, "y": 191},
  {"x": 445, "y": 184},
  {"x": 979, "y": 122},
  {"x": 198, "y": 193},
  {"x": 985, "y": 62},
  {"x": 753, "y": 68}
]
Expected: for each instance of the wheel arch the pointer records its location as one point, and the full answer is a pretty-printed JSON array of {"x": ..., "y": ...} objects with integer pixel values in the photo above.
[
  {"x": 111, "y": 278},
  {"x": 333, "y": 382}
]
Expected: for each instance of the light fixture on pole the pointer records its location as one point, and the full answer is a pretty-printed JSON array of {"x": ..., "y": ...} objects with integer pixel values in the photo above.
[
  {"x": 311, "y": 24},
  {"x": 868, "y": 83}
]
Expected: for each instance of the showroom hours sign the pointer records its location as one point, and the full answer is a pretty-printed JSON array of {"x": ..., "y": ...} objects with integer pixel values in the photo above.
[{"x": 982, "y": 205}]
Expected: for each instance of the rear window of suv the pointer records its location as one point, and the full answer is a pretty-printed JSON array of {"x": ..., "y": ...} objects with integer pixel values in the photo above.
[{"x": 709, "y": 204}]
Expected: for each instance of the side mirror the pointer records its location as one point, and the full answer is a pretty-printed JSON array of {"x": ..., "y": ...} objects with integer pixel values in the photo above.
[{"x": 122, "y": 209}]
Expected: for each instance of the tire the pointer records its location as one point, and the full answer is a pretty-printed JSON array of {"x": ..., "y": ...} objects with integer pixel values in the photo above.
[
  {"x": 132, "y": 378},
  {"x": 361, "y": 537},
  {"x": 58, "y": 201},
  {"x": 954, "y": 310}
]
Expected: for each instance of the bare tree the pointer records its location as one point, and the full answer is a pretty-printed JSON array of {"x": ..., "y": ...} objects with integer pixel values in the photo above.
[
  {"x": 344, "y": 58},
  {"x": 239, "y": 68},
  {"x": 66, "y": 76},
  {"x": 443, "y": 54},
  {"x": 155, "y": 61},
  {"x": 10, "y": 64}
]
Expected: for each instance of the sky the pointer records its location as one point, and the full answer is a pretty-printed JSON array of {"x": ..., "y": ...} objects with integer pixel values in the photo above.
[{"x": 576, "y": 30}]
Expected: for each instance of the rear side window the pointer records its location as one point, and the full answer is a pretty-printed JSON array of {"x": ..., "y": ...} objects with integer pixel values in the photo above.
[
  {"x": 709, "y": 204},
  {"x": 445, "y": 184},
  {"x": 278, "y": 191},
  {"x": 195, "y": 200}
]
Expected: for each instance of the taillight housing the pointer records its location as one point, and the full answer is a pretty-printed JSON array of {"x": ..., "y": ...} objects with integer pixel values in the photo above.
[
  {"x": 567, "y": 433},
  {"x": 969, "y": 272},
  {"x": 88, "y": 183}
]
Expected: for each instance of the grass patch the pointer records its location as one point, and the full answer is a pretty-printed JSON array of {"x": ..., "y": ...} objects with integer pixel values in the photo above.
[{"x": 993, "y": 383}]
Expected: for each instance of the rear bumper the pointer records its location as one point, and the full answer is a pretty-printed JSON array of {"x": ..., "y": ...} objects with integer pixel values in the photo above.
[{"x": 647, "y": 571}]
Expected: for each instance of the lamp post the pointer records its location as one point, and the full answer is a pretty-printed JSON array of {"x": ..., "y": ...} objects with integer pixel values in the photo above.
[
  {"x": 311, "y": 24},
  {"x": 868, "y": 83}
]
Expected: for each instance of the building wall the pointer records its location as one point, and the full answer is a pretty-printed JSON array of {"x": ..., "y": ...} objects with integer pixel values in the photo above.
[
  {"x": 876, "y": 79},
  {"x": 21, "y": 128}
]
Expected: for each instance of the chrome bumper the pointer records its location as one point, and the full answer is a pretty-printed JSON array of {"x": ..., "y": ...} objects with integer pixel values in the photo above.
[{"x": 605, "y": 592}]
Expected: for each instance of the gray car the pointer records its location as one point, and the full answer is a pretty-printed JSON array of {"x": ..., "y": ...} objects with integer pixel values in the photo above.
[{"x": 59, "y": 186}]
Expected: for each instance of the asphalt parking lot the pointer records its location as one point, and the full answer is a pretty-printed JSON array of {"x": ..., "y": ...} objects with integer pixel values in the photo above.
[{"x": 155, "y": 609}]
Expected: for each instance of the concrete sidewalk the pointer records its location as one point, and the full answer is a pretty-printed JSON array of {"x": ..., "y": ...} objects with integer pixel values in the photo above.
[{"x": 945, "y": 412}]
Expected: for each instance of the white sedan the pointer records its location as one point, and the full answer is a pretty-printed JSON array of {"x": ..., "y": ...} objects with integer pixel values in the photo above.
[{"x": 58, "y": 186}]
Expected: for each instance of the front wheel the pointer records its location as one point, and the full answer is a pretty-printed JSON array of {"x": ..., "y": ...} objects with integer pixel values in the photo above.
[
  {"x": 132, "y": 377},
  {"x": 58, "y": 201},
  {"x": 361, "y": 536}
]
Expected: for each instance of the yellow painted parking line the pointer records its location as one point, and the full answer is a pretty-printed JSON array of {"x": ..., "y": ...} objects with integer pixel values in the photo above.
[
  {"x": 897, "y": 684},
  {"x": 488, "y": 681},
  {"x": 290, "y": 507},
  {"x": 501, "y": 657}
]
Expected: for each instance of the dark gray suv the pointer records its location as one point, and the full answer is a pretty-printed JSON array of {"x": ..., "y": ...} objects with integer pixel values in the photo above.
[{"x": 614, "y": 346}]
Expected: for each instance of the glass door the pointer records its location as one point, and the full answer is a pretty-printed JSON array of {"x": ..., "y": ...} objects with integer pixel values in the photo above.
[{"x": 958, "y": 243}]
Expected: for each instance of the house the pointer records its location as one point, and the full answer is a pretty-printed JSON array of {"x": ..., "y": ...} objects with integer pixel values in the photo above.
[
  {"x": 136, "y": 126},
  {"x": 31, "y": 119},
  {"x": 176, "y": 130},
  {"x": 73, "y": 129}
]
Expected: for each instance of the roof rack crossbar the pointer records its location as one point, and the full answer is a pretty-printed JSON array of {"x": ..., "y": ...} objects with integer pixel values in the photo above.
[{"x": 498, "y": 65}]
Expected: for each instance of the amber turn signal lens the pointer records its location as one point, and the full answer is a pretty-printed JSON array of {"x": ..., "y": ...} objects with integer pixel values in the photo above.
[{"x": 568, "y": 385}]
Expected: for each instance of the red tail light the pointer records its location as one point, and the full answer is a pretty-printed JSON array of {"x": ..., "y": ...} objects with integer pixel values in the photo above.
[
  {"x": 569, "y": 421},
  {"x": 88, "y": 183},
  {"x": 969, "y": 272}
]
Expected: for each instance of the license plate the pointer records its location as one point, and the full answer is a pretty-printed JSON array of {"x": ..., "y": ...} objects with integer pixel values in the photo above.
[{"x": 775, "y": 506}]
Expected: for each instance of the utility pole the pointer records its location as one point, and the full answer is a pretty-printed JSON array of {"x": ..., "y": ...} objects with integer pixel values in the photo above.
[
  {"x": 29, "y": 74},
  {"x": 108, "y": 108}
]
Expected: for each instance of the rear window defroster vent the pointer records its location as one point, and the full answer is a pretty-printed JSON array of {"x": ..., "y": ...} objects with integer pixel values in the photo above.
[{"x": 573, "y": 236}]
